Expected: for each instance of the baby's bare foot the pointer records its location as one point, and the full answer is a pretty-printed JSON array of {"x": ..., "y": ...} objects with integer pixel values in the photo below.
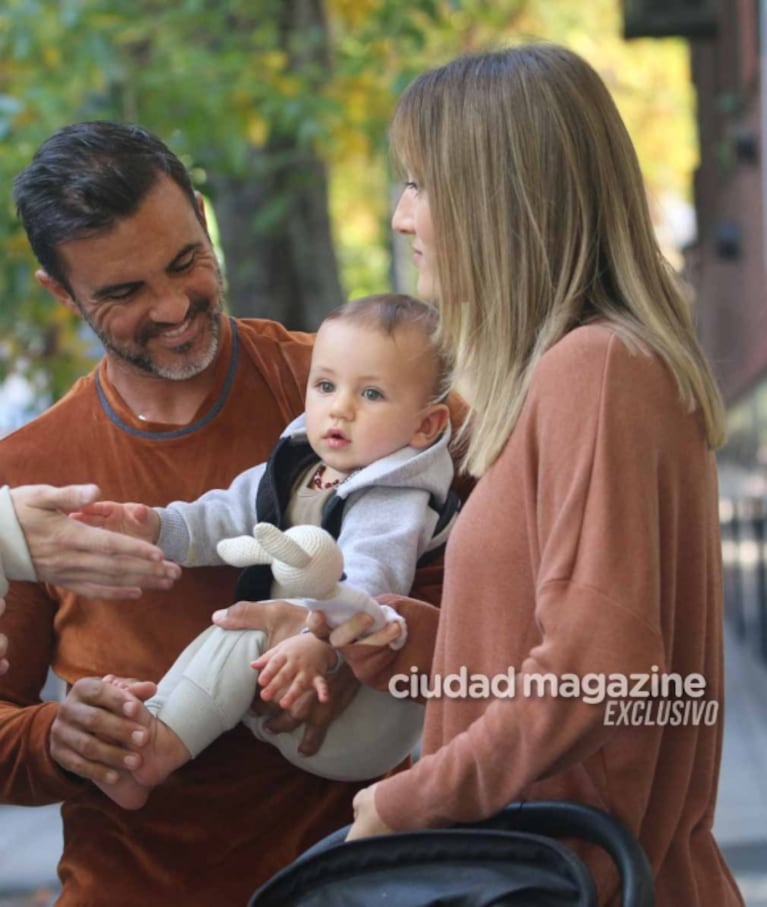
[
  {"x": 126, "y": 791},
  {"x": 141, "y": 689},
  {"x": 161, "y": 754}
]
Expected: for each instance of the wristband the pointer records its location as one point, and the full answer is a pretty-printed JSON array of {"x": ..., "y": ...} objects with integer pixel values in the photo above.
[{"x": 340, "y": 660}]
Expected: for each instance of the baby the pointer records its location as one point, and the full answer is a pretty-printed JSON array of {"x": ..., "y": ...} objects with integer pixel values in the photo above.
[{"x": 369, "y": 461}]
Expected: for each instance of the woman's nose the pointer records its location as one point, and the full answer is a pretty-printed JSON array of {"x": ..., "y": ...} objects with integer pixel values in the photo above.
[{"x": 402, "y": 219}]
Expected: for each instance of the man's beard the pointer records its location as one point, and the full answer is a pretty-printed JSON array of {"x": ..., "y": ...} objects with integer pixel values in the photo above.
[{"x": 139, "y": 357}]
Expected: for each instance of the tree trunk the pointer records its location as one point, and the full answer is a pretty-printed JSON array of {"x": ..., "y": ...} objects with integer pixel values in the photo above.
[
  {"x": 274, "y": 222},
  {"x": 286, "y": 270}
]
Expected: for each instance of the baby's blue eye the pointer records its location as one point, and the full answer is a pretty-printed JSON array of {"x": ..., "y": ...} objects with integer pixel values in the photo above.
[
  {"x": 325, "y": 387},
  {"x": 370, "y": 393}
]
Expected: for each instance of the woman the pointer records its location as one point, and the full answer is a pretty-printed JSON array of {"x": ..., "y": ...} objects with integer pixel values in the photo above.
[{"x": 589, "y": 550}]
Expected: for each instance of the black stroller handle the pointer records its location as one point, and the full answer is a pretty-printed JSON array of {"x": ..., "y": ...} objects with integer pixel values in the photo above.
[{"x": 565, "y": 819}]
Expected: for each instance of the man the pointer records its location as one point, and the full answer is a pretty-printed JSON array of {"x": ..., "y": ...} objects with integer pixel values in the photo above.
[{"x": 183, "y": 400}]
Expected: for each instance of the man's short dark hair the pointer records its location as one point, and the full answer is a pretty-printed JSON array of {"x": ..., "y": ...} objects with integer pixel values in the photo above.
[{"x": 84, "y": 178}]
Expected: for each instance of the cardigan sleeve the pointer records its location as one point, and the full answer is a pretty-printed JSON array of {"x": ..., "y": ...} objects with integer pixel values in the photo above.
[
  {"x": 589, "y": 443},
  {"x": 15, "y": 559}
]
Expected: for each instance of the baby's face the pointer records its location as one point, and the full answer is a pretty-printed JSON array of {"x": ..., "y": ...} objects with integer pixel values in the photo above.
[{"x": 367, "y": 392}]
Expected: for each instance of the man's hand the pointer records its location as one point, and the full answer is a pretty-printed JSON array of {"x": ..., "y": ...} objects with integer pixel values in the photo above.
[
  {"x": 367, "y": 821},
  {"x": 278, "y": 619},
  {"x": 4, "y": 664},
  {"x": 315, "y": 716},
  {"x": 99, "y": 731},
  {"x": 86, "y": 559}
]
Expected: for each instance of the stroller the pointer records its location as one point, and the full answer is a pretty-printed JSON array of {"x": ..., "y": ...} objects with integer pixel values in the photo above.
[{"x": 509, "y": 860}]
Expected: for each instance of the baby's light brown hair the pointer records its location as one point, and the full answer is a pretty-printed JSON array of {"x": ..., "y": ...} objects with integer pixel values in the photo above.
[{"x": 387, "y": 312}]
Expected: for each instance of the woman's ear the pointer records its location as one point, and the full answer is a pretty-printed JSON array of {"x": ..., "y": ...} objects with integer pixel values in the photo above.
[{"x": 433, "y": 422}]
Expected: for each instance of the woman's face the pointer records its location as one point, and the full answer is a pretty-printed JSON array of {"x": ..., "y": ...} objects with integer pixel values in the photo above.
[{"x": 412, "y": 217}]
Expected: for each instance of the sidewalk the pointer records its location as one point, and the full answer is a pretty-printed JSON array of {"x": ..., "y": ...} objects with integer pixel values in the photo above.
[
  {"x": 30, "y": 839},
  {"x": 30, "y": 844},
  {"x": 741, "y": 815}
]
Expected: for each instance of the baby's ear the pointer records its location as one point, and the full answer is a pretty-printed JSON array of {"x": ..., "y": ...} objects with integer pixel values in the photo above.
[{"x": 433, "y": 423}]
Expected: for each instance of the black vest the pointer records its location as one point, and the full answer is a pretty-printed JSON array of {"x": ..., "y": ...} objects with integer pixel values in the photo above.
[{"x": 289, "y": 458}]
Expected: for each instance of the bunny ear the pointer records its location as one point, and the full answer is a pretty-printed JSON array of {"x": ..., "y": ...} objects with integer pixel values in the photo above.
[
  {"x": 280, "y": 546},
  {"x": 243, "y": 551}
]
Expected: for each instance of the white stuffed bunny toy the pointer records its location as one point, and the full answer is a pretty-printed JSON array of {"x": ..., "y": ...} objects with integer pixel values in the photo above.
[{"x": 307, "y": 564}]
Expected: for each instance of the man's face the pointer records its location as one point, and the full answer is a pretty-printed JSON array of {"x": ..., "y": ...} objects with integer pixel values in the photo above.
[{"x": 150, "y": 287}]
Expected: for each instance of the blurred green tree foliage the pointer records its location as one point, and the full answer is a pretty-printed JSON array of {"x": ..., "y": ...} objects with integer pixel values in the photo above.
[{"x": 279, "y": 108}]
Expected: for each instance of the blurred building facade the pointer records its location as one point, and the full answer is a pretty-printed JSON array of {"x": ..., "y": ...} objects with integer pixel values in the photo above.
[{"x": 727, "y": 263}]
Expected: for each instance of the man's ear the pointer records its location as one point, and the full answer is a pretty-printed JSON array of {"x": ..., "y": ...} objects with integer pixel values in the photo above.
[
  {"x": 201, "y": 209},
  {"x": 433, "y": 423},
  {"x": 57, "y": 290}
]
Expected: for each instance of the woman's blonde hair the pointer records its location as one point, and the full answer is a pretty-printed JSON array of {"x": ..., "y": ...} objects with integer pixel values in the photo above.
[{"x": 541, "y": 224}]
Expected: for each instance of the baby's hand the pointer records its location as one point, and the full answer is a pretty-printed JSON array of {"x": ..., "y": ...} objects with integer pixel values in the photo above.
[
  {"x": 292, "y": 667},
  {"x": 137, "y": 520}
]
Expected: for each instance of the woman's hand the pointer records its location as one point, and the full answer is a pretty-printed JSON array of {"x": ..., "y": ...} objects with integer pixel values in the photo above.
[
  {"x": 371, "y": 658},
  {"x": 367, "y": 821},
  {"x": 136, "y": 520},
  {"x": 86, "y": 559},
  {"x": 353, "y": 630}
]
